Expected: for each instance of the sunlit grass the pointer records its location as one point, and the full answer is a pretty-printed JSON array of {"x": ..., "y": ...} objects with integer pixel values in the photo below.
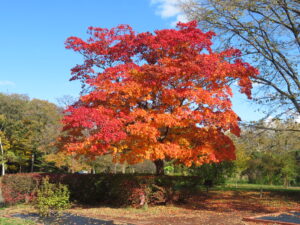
[
  {"x": 12, "y": 221},
  {"x": 257, "y": 187}
]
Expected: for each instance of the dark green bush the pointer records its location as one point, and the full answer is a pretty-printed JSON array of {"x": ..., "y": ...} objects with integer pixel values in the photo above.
[{"x": 215, "y": 172}]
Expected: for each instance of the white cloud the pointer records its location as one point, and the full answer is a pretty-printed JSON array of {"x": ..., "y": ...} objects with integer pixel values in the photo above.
[
  {"x": 297, "y": 119},
  {"x": 179, "y": 18},
  {"x": 269, "y": 120},
  {"x": 169, "y": 9},
  {"x": 6, "y": 83}
]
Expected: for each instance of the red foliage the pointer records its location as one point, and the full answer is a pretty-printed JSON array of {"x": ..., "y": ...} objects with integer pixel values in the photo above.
[
  {"x": 155, "y": 95},
  {"x": 19, "y": 187}
]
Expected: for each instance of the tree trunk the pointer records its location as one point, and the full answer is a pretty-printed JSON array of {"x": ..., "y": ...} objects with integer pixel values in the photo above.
[
  {"x": 115, "y": 168},
  {"x": 32, "y": 162},
  {"x": 159, "y": 164},
  {"x": 286, "y": 182},
  {"x": 124, "y": 168},
  {"x": 2, "y": 155}
]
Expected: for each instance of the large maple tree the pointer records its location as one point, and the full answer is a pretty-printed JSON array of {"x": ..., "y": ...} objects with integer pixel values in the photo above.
[{"x": 158, "y": 96}]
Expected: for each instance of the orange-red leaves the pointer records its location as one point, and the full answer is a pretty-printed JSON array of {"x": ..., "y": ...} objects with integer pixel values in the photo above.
[{"x": 155, "y": 95}]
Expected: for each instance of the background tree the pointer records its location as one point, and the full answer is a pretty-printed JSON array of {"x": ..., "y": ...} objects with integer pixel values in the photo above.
[
  {"x": 4, "y": 145},
  {"x": 43, "y": 120},
  {"x": 157, "y": 96},
  {"x": 68, "y": 162},
  {"x": 267, "y": 32},
  {"x": 269, "y": 156},
  {"x": 30, "y": 127},
  {"x": 12, "y": 108},
  {"x": 65, "y": 101}
]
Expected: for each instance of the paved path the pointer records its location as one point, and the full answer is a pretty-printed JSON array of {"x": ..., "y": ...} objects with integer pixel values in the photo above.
[{"x": 66, "y": 219}]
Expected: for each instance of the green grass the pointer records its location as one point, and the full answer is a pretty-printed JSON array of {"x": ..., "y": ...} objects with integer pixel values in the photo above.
[
  {"x": 257, "y": 187},
  {"x": 290, "y": 193},
  {"x": 10, "y": 221},
  {"x": 3, "y": 207}
]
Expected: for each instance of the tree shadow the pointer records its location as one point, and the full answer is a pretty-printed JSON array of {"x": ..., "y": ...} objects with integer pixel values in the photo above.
[{"x": 229, "y": 202}]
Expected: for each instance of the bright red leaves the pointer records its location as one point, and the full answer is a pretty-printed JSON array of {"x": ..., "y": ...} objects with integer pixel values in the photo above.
[{"x": 155, "y": 96}]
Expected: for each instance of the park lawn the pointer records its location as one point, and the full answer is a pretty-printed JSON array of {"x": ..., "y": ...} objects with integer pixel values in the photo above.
[
  {"x": 233, "y": 186},
  {"x": 218, "y": 206},
  {"x": 5, "y": 213},
  {"x": 13, "y": 221}
]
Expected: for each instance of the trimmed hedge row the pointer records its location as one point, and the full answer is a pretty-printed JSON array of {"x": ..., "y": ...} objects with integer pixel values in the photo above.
[
  {"x": 112, "y": 189},
  {"x": 19, "y": 187}
]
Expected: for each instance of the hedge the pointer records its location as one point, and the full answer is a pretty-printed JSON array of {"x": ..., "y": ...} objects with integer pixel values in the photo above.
[
  {"x": 112, "y": 189},
  {"x": 19, "y": 187}
]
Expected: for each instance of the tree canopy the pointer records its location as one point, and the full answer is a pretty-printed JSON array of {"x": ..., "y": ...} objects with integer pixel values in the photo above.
[
  {"x": 28, "y": 129},
  {"x": 269, "y": 156},
  {"x": 161, "y": 95},
  {"x": 267, "y": 32}
]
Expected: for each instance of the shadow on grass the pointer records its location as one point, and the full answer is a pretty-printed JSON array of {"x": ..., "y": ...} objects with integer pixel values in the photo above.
[
  {"x": 241, "y": 200},
  {"x": 3, "y": 205}
]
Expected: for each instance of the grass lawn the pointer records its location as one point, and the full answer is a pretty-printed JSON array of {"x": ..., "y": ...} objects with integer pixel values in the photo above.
[
  {"x": 10, "y": 221},
  {"x": 6, "y": 211},
  {"x": 222, "y": 205},
  {"x": 232, "y": 186}
]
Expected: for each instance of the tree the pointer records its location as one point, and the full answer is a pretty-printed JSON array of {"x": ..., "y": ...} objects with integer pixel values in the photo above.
[
  {"x": 267, "y": 32},
  {"x": 269, "y": 156},
  {"x": 30, "y": 127},
  {"x": 68, "y": 161},
  {"x": 157, "y": 96},
  {"x": 12, "y": 108},
  {"x": 65, "y": 101},
  {"x": 43, "y": 122},
  {"x": 4, "y": 145}
]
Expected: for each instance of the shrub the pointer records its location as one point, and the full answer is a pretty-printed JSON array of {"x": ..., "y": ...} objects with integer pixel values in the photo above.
[
  {"x": 20, "y": 187},
  {"x": 51, "y": 197},
  {"x": 130, "y": 190},
  {"x": 216, "y": 172},
  {"x": 85, "y": 188}
]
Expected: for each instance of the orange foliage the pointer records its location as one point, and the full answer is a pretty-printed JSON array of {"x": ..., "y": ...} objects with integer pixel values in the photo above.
[{"x": 162, "y": 95}]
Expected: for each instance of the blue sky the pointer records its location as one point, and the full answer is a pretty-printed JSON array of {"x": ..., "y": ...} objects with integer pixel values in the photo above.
[{"x": 33, "y": 59}]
